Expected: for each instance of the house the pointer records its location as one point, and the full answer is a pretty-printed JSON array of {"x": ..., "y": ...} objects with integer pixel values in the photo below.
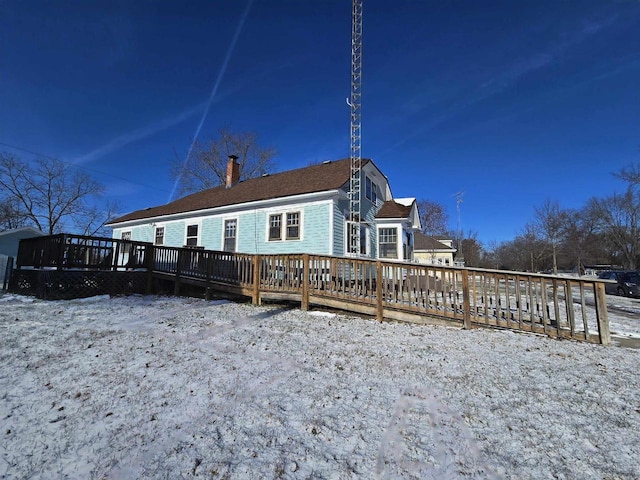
[
  {"x": 10, "y": 239},
  {"x": 433, "y": 250},
  {"x": 297, "y": 211},
  {"x": 9, "y": 242}
]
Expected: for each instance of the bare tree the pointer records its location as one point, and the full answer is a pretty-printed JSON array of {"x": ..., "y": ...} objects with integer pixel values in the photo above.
[
  {"x": 433, "y": 217},
  {"x": 91, "y": 221},
  {"x": 551, "y": 222},
  {"x": 619, "y": 222},
  {"x": 630, "y": 174},
  {"x": 582, "y": 243},
  {"x": 49, "y": 194},
  {"x": 10, "y": 215},
  {"x": 207, "y": 165}
]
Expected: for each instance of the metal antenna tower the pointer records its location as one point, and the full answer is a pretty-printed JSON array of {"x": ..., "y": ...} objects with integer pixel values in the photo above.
[{"x": 355, "y": 102}]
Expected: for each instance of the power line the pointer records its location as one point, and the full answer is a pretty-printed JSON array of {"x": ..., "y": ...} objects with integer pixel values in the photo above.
[{"x": 71, "y": 164}]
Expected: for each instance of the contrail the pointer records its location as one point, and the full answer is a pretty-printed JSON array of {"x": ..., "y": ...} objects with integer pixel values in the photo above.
[
  {"x": 139, "y": 134},
  {"x": 223, "y": 69}
]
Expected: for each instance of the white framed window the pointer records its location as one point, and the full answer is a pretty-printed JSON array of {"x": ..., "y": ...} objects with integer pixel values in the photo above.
[
  {"x": 293, "y": 226},
  {"x": 192, "y": 235},
  {"x": 126, "y": 248},
  {"x": 159, "y": 236},
  {"x": 371, "y": 190},
  {"x": 388, "y": 242},
  {"x": 275, "y": 227},
  {"x": 230, "y": 235},
  {"x": 284, "y": 226},
  {"x": 364, "y": 238}
]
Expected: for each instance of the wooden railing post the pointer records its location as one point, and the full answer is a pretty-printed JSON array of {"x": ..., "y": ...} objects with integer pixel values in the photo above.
[
  {"x": 255, "y": 298},
  {"x": 149, "y": 253},
  {"x": 209, "y": 267},
  {"x": 176, "y": 288},
  {"x": 116, "y": 256},
  {"x": 466, "y": 300},
  {"x": 379, "y": 308},
  {"x": 601, "y": 314},
  {"x": 62, "y": 241},
  {"x": 305, "y": 282}
]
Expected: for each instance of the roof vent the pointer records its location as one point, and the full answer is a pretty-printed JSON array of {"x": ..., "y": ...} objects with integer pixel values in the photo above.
[
  {"x": 326, "y": 161},
  {"x": 265, "y": 174}
]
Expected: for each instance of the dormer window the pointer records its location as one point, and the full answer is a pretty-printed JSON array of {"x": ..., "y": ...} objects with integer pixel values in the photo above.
[{"x": 371, "y": 191}]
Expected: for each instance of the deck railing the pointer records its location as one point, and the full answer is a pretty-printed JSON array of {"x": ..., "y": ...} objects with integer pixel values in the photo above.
[
  {"x": 65, "y": 251},
  {"x": 567, "y": 307}
]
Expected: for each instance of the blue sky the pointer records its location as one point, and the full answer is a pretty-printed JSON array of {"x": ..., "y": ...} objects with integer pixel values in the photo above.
[{"x": 510, "y": 102}]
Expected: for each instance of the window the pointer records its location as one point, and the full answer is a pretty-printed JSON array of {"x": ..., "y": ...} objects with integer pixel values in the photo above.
[
  {"x": 159, "y": 236},
  {"x": 275, "y": 227},
  {"x": 126, "y": 248},
  {"x": 291, "y": 223},
  {"x": 192, "y": 236},
  {"x": 408, "y": 247},
  {"x": 388, "y": 242},
  {"x": 230, "y": 230},
  {"x": 351, "y": 235},
  {"x": 293, "y": 226},
  {"x": 371, "y": 191}
]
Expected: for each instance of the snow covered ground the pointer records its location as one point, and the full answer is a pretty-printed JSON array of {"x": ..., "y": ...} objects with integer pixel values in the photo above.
[{"x": 157, "y": 387}]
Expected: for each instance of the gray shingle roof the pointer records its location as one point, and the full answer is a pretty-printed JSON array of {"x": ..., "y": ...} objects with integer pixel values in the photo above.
[
  {"x": 315, "y": 178},
  {"x": 391, "y": 209},
  {"x": 424, "y": 242}
]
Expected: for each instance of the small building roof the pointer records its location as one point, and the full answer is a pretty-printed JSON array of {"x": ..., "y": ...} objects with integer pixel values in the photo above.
[
  {"x": 425, "y": 242},
  {"x": 22, "y": 232},
  {"x": 315, "y": 178},
  {"x": 393, "y": 209}
]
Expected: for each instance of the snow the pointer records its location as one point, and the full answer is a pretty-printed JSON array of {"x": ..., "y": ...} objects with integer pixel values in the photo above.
[{"x": 163, "y": 387}]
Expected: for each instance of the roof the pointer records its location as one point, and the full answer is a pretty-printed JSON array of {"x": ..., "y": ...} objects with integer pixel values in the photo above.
[
  {"x": 392, "y": 209},
  {"x": 315, "y": 178},
  {"x": 424, "y": 242},
  {"x": 23, "y": 232}
]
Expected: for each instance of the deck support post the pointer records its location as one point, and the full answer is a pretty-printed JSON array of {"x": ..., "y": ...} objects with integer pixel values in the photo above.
[
  {"x": 305, "y": 282},
  {"x": 379, "y": 280},
  {"x": 209, "y": 266},
  {"x": 601, "y": 313},
  {"x": 176, "y": 287},
  {"x": 149, "y": 261},
  {"x": 255, "y": 297},
  {"x": 466, "y": 300}
]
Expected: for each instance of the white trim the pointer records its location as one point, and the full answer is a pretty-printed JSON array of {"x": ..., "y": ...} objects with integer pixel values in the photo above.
[
  {"x": 368, "y": 248},
  {"x": 198, "y": 223},
  {"x": 225, "y": 219},
  {"x": 299, "y": 209},
  {"x": 155, "y": 234}
]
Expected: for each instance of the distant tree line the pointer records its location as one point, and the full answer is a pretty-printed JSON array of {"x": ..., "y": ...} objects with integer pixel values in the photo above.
[{"x": 604, "y": 231}]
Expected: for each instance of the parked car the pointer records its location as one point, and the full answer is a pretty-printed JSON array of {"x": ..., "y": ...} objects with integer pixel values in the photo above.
[{"x": 627, "y": 283}]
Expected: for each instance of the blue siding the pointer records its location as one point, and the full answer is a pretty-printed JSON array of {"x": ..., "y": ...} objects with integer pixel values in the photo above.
[
  {"x": 174, "y": 234},
  {"x": 252, "y": 230},
  {"x": 338, "y": 226},
  {"x": 142, "y": 233},
  {"x": 315, "y": 236},
  {"x": 211, "y": 235}
]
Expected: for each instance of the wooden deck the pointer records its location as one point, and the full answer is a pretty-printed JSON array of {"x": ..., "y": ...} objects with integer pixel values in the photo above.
[{"x": 556, "y": 306}]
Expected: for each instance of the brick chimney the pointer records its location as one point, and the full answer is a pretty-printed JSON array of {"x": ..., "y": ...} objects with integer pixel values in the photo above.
[{"x": 233, "y": 171}]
